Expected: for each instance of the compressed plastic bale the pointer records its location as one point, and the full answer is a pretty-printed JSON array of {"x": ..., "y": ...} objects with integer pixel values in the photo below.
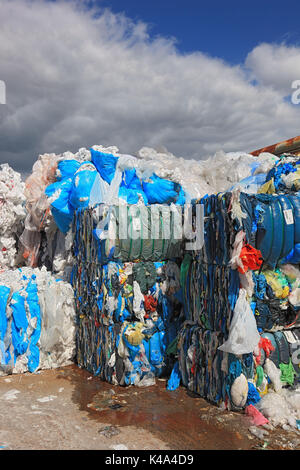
[
  {"x": 37, "y": 328},
  {"x": 12, "y": 215},
  {"x": 105, "y": 297},
  {"x": 207, "y": 371},
  {"x": 108, "y": 243}
]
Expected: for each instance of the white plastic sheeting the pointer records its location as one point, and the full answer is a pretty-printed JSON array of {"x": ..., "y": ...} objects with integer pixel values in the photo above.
[
  {"x": 12, "y": 214},
  {"x": 199, "y": 177},
  {"x": 37, "y": 318}
]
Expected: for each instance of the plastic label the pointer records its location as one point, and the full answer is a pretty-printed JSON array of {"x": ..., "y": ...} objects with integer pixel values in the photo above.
[
  {"x": 136, "y": 223},
  {"x": 288, "y": 215}
]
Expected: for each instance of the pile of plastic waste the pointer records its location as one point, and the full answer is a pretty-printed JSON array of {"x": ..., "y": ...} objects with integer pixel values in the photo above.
[
  {"x": 222, "y": 320},
  {"x": 37, "y": 321},
  {"x": 61, "y": 184},
  {"x": 12, "y": 215}
]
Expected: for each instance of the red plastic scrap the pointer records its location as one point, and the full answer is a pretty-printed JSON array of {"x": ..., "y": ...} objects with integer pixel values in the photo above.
[
  {"x": 251, "y": 258},
  {"x": 258, "y": 418},
  {"x": 266, "y": 345},
  {"x": 150, "y": 304}
]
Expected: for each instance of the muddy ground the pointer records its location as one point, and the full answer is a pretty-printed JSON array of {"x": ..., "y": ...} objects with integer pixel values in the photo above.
[{"x": 67, "y": 409}]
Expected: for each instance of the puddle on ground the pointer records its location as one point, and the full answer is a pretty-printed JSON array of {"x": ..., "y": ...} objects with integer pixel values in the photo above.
[{"x": 181, "y": 420}]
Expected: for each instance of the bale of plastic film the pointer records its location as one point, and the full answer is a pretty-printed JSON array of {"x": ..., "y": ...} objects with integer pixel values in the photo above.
[
  {"x": 218, "y": 376},
  {"x": 37, "y": 321},
  {"x": 127, "y": 233}
]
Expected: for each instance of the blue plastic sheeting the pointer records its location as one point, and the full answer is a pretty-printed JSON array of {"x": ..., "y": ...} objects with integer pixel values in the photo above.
[
  {"x": 67, "y": 168},
  {"x": 253, "y": 395},
  {"x": 105, "y": 164},
  {"x": 174, "y": 380},
  {"x": 155, "y": 351},
  {"x": 294, "y": 256},
  {"x": 35, "y": 312},
  {"x": 251, "y": 184},
  {"x": 161, "y": 191},
  {"x": 277, "y": 226},
  {"x": 83, "y": 181},
  {"x": 281, "y": 169},
  {"x": 61, "y": 209},
  {"x": 74, "y": 191},
  {"x": 131, "y": 188},
  {"x": 77, "y": 183},
  {"x": 63, "y": 186},
  {"x": 4, "y": 350},
  {"x": 19, "y": 325}
]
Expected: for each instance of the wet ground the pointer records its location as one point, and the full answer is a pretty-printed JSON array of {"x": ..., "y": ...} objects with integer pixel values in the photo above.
[{"x": 70, "y": 409}]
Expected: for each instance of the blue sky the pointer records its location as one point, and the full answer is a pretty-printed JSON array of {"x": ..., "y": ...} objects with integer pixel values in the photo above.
[{"x": 228, "y": 29}]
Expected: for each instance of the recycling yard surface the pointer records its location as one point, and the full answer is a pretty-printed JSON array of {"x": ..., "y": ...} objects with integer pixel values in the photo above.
[{"x": 68, "y": 409}]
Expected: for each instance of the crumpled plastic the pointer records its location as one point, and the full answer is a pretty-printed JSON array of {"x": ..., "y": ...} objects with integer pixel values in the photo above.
[
  {"x": 37, "y": 321},
  {"x": 243, "y": 335},
  {"x": 12, "y": 215},
  {"x": 257, "y": 418}
]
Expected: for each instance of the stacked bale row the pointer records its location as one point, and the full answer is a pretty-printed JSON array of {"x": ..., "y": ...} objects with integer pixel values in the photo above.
[
  {"x": 241, "y": 296},
  {"x": 127, "y": 302}
]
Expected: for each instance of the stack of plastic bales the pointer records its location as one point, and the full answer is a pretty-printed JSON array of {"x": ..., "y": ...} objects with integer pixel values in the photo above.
[
  {"x": 37, "y": 324},
  {"x": 275, "y": 297},
  {"x": 212, "y": 299},
  {"x": 127, "y": 288},
  {"x": 240, "y": 342}
]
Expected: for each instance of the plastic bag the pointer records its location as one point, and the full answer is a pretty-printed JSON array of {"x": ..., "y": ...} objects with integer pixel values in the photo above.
[
  {"x": 131, "y": 188},
  {"x": 243, "y": 335},
  {"x": 83, "y": 181},
  {"x": 161, "y": 191},
  {"x": 66, "y": 169},
  {"x": 105, "y": 164}
]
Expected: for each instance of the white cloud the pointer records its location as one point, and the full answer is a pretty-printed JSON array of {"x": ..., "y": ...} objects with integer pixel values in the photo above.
[
  {"x": 78, "y": 77},
  {"x": 275, "y": 66}
]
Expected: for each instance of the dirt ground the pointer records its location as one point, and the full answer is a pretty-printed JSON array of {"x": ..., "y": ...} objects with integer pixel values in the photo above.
[{"x": 67, "y": 409}]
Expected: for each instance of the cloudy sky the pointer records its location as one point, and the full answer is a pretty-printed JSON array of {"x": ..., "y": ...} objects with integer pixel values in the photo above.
[{"x": 192, "y": 78}]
